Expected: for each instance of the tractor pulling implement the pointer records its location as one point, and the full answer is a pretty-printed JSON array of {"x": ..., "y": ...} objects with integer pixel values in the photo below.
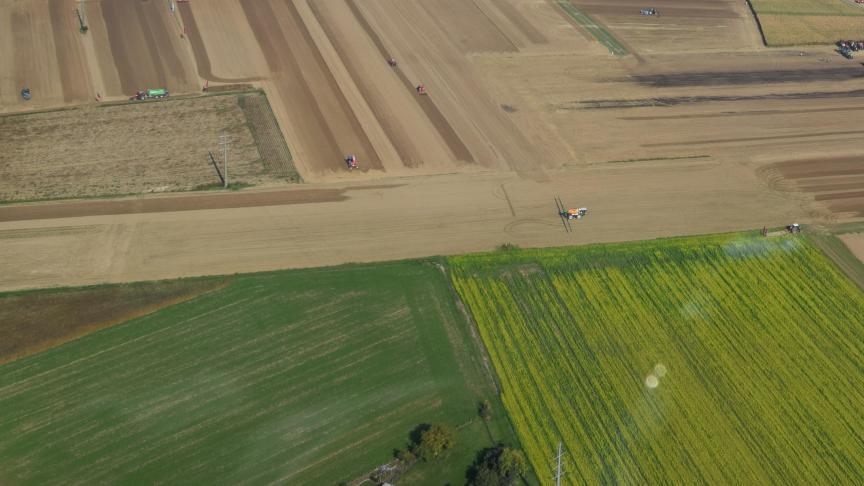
[
  {"x": 568, "y": 215},
  {"x": 150, "y": 94}
]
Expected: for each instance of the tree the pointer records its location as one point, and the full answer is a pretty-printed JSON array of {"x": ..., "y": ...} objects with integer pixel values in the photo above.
[
  {"x": 497, "y": 466},
  {"x": 406, "y": 457},
  {"x": 485, "y": 410},
  {"x": 432, "y": 440},
  {"x": 511, "y": 463}
]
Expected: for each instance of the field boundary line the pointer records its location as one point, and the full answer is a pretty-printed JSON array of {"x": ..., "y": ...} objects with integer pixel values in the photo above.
[
  {"x": 596, "y": 29},
  {"x": 122, "y": 344},
  {"x": 835, "y": 250},
  {"x": 758, "y": 23},
  {"x": 480, "y": 345}
]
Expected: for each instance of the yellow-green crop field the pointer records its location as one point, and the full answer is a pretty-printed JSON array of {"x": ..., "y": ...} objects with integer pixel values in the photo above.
[
  {"x": 730, "y": 359},
  {"x": 807, "y": 7},
  {"x": 800, "y": 22}
]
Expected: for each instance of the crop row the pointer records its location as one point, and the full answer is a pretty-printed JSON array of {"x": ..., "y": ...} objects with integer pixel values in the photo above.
[{"x": 727, "y": 359}]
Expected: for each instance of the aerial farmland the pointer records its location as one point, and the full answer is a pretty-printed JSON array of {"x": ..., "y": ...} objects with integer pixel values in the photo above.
[{"x": 431, "y": 242}]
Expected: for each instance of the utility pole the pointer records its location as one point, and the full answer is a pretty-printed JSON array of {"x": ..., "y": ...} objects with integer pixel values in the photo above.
[
  {"x": 558, "y": 469},
  {"x": 224, "y": 142}
]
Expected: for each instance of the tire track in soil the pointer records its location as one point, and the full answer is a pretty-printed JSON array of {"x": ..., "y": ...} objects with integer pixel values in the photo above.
[
  {"x": 199, "y": 50},
  {"x": 442, "y": 126},
  {"x": 743, "y": 113},
  {"x": 755, "y": 139}
]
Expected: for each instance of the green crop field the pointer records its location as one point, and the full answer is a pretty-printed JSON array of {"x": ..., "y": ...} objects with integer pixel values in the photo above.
[
  {"x": 730, "y": 359},
  {"x": 807, "y": 7},
  {"x": 299, "y": 377},
  {"x": 801, "y": 22}
]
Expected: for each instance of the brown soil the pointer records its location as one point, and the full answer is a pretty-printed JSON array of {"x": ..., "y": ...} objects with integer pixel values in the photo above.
[
  {"x": 33, "y": 322},
  {"x": 141, "y": 43},
  {"x": 70, "y": 56},
  {"x": 468, "y": 26},
  {"x": 301, "y": 76},
  {"x": 700, "y": 25},
  {"x": 169, "y": 203},
  {"x": 837, "y": 182},
  {"x": 202, "y": 59},
  {"x": 426, "y": 103},
  {"x": 420, "y": 217}
]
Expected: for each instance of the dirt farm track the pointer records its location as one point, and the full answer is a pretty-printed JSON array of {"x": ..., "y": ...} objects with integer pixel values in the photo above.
[{"x": 695, "y": 128}]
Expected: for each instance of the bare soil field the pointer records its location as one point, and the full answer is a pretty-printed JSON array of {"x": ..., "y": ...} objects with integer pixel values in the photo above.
[
  {"x": 130, "y": 45},
  {"x": 681, "y": 135},
  {"x": 681, "y": 26},
  {"x": 836, "y": 182},
  {"x": 355, "y": 223},
  {"x": 35, "y": 321},
  {"x": 140, "y": 147}
]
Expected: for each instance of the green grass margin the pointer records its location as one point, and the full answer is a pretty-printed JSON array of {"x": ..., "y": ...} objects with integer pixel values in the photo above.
[{"x": 593, "y": 27}]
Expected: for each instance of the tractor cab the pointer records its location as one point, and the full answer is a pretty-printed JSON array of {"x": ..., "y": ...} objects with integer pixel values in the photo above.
[
  {"x": 575, "y": 213},
  {"x": 649, "y": 12},
  {"x": 391, "y": 62},
  {"x": 351, "y": 162},
  {"x": 25, "y": 93},
  {"x": 421, "y": 89}
]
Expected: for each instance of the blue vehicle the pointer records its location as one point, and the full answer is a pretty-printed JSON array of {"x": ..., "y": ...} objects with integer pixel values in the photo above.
[{"x": 25, "y": 93}]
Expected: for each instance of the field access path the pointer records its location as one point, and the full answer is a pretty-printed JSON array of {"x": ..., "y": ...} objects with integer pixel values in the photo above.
[{"x": 174, "y": 236}]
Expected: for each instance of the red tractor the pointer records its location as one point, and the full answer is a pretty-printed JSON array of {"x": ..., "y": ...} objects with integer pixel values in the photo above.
[
  {"x": 421, "y": 89},
  {"x": 351, "y": 162}
]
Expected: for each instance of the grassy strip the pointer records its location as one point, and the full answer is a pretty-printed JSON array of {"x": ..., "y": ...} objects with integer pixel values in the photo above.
[
  {"x": 792, "y": 30},
  {"x": 593, "y": 27},
  {"x": 180, "y": 97},
  {"x": 216, "y": 186},
  {"x": 268, "y": 137},
  {"x": 851, "y": 227},
  {"x": 840, "y": 254}
]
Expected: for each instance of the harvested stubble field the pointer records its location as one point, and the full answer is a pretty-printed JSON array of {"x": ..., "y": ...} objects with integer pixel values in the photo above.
[
  {"x": 801, "y": 22},
  {"x": 731, "y": 359},
  {"x": 301, "y": 377},
  {"x": 132, "y": 148}
]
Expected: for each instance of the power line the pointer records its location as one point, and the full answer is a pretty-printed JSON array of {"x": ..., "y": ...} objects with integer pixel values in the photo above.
[{"x": 559, "y": 468}]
